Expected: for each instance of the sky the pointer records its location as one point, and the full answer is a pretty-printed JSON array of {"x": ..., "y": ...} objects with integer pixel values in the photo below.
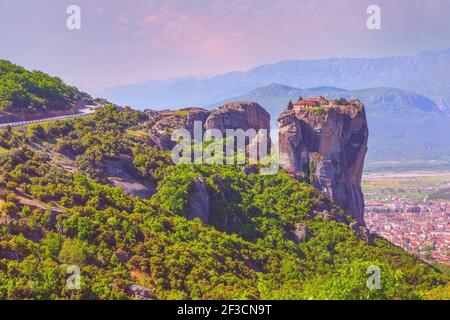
[{"x": 133, "y": 41}]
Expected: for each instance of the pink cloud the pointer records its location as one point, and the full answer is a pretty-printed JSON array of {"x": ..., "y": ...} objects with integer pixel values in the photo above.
[{"x": 138, "y": 40}]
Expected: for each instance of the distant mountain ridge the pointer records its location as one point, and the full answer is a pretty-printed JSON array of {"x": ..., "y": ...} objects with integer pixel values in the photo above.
[
  {"x": 427, "y": 73},
  {"x": 276, "y": 89},
  {"x": 403, "y": 125},
  {"x": 372, "y": 96}
]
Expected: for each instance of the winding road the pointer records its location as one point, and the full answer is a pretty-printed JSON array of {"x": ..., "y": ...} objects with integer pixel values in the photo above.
[{"x": 88, "y": 110}]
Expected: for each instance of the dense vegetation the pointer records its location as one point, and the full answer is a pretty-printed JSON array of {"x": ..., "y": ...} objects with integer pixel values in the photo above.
[
  {"x": 22, "y": 90},
  {"x": 52, "y": 217}
]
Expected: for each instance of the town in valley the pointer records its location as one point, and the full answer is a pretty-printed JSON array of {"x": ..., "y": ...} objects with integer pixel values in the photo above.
[{"x": 412, "y": 210}]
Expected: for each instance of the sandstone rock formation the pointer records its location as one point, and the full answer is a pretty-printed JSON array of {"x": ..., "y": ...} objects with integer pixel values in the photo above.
[
  {"x": 325, "y": 142},
  {"x": 239, "y": 115},
  {"x": 322, "y": 141},
  {"x": 234, "y": 115},
  {"x": 168, "y": 121}
]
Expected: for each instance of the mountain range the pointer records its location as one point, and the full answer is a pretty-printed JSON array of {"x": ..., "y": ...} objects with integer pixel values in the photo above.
[
  {"x": 427, "y": 73},
  {"x": 100, "y": 196},
  {"x": 403, "y": 125}
]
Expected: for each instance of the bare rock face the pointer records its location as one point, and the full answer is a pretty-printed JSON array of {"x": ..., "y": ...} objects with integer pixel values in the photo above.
[
  {"x": 140, "y": 292},
  {"x": 243, "y": 115},
  {"x": 120, "y": 173},
  {"x": 168, "y": 121},
  {"x": 362, "y": 231},
  {"x": 198, "y": 205},
  {"x": 234, "y": 115},
  {"x": 122, "y": 255},
  {"x": 301, "y": 233},
  {"x": 325, "y": 142},
  {"x": 239, "y": 115}
]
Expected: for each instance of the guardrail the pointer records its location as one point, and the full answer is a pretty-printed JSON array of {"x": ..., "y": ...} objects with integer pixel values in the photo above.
[{"x": 26, "y": 123}]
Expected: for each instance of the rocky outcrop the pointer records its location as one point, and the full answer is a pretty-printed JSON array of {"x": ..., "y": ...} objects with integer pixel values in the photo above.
[
  {"x": 321, "y": 141},
  {"x": 167, "y": 121},
  {"x": 234, "y": 115},
  {"x": 301, "y": 233},
  {"x": 198, "y": 205},
  {"x": 140, "y": 292},
  {"x": 243, "y": 115},
  {"x": 325, "y": 142},
  {"x": 362, "y": 231},
  {"x": 121, "y": 173},
  {"x": 239, "y": 115}
]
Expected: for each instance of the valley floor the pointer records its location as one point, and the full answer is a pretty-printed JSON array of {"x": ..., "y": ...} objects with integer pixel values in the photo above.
[{"x": 410, "y": 210}]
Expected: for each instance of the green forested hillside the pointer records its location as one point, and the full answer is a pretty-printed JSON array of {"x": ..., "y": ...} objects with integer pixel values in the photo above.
[
  {"x": 54, "y": 215},
  {"x": 22, "y": 90}
]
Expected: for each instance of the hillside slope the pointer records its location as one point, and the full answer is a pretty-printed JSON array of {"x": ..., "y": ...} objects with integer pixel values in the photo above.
[
  {"x": 26, "y": 93},
  {"x": 267, "y": 237}
]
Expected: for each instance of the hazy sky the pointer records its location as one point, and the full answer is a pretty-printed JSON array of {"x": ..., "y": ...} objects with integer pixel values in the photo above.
[{"x": 132, "y": 41}]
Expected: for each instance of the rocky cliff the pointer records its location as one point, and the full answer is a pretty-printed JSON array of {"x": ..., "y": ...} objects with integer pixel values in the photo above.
[
  {"x": 239, "y": 115},
  {"x": 165, "y": 122},
  {"x": 234, "y": 115},
  {"x": 325, "y": 142}
]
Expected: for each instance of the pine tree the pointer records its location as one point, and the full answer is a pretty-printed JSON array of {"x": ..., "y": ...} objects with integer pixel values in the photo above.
[{"x": 290, "y": 105}]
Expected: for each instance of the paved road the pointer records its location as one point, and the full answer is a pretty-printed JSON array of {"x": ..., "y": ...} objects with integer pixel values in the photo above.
[{"x": 82, "y": 112}]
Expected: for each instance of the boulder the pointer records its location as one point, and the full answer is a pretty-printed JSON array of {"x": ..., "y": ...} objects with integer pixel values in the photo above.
[
  {"x": 301, "y": 233},
  {"x": 140, "y": 292},
  {"x": 122, "y": 255}
]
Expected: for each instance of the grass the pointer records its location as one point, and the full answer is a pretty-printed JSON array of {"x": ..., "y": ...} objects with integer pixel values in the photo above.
[
  {"x": 182, "y": 113},
  {"x": 406, "y": 166},
  {"x": 137, "y": 133},
  {"x": 411, "y": 185},
  {"x": 318, "y": 110}
]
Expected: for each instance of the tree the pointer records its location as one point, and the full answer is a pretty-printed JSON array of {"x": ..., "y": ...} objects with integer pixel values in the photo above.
[
  {"x": 290, "y": 105},
  {"x": 73, "y": 252},
  {"x": 10, "y": 208}
]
